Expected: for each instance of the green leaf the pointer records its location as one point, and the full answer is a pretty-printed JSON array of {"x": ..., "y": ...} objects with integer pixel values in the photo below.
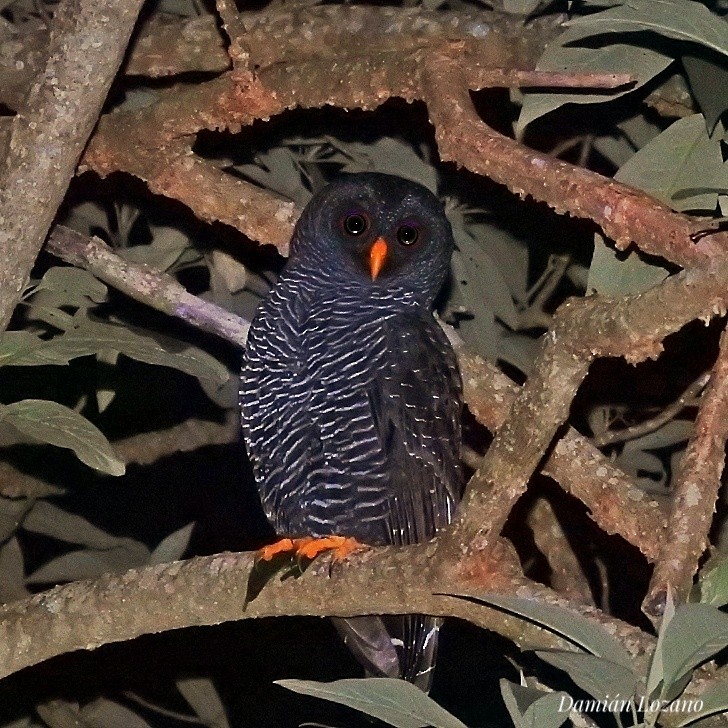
[
  {"x": 167, "y": 247},
  {"x": 391, "y": 156},
  {"x": 644, "y": 63},
  {"x": 173, "y": 546},
  {"x": 617, "y": 273},
  {"x": 580, "y": 631},
  {"x": 204, "y": 699},
  {"x": 517, "y": 698},
  {"x": 682, "y": 167},
  {"x": 48, "y": 519},
  {"x": 531, "y": 708},
  {"x": 714, "y": 583},
  {"x": 60, "y": 426},
  {"x": 669, "y": 434},
  {"x": 77, "y": 287},
  {"x": 600, "y": 678},
  {"x": 12, "y": 572},
  {"x": 86, "y": 564},
  {"x": 105, "y": 713},
  {"x": 547, "y": 712},
  {"x": 17, "y": 345},
  {"x": 12, "y": 513},
  {"x": 695, "y": 634},
  {"x": 91, "y": 337},
  {"x": 656, "y": 674},
  {"x": 708, "y": 77},
  {"x": 683, "y": 20},
  {"x": 521, "y": 7},
  {"x": 482, "y": 284},
  {"x": 713, "y": 700},
  {"x": 396, "y": 702}
]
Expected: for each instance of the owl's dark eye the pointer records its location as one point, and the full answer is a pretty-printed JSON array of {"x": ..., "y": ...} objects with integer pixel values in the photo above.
[
  {"x": 355, "y": 224},
  {"x": 407, "y": 234}
]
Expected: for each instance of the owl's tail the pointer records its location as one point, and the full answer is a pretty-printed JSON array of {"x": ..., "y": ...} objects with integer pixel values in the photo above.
[{"x": 394, "y": 646}]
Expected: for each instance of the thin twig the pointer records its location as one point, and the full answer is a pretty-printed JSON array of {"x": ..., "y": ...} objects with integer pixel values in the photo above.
[
  {"x": 158, "y": 290},
  {"x": 686, "y": 399}
]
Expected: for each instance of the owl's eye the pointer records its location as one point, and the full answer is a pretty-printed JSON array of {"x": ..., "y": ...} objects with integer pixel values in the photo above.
[
  {"x": 407, "y": 234},
  {"x": 355, "y": 224}
]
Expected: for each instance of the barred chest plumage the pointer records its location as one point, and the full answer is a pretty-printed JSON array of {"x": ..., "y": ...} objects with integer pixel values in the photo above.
[
  {"x": 350, "y": 392},
  {"x": 329, "y": 471}
]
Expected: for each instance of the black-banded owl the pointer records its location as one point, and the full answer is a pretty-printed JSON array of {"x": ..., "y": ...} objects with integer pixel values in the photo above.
[{"x": 351, "y": 396}]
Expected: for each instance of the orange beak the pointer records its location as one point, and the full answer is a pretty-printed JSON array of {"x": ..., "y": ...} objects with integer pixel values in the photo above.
[{"x": 377, "y": 256}]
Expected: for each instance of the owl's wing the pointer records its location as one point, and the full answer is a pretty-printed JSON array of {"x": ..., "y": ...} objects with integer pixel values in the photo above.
[{"x": 416, "y": 401}]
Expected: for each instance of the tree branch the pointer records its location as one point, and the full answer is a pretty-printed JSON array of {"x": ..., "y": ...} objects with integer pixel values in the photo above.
[
  {"x": 632, "y": 327},
  {"x": 210, "y": 590},
  {"x": 48, "y": 134},
  {"x": 695, "y": 493}
]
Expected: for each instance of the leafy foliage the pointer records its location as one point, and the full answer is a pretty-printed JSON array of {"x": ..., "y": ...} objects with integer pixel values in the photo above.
[{"x": 689, "y": 635}]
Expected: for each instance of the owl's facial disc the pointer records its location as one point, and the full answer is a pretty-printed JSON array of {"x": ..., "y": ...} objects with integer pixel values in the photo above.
[{"x": 382, "y": 244}]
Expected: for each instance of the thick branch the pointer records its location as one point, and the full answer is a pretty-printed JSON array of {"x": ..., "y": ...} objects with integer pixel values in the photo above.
[
  {"x": 625, "y": 214},
  {"x": 632, "y": 327},
  {"x": 616, "y": 503},
  {"x": 211, "y": 590},
  {"x": 695, "y": 493},
  {"x": 49, "y": 132}
]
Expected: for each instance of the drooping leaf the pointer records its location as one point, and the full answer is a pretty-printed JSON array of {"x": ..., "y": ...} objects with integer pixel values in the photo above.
[
  {"x": 50, "y": 520},
  {"x": 396, "y": 702},
  {"x": 600, "y": 678},
  {"x": 559, "y": 56},
  {"x": 12, "y": 572},
  {"x": 682, "y": 167},
  {"x": 77, "y": 287},
  {"x": 714, "y": 583},
  {"x": 483, "y": 286},
  {"x": 91, "y": 337},
  {"x": 172, "y": 547},
  {"x": 646, "y": 468},
  {"x": 87, "y": 564},
  {"x": 684, "y": 20},
  {"x": 204, "y": 699},
  {"x": 59, "y": 713},
  {"x": 693, "y": 635},
  {"x": 629, "y": 135},
  {"x": 708, "y": 78},
  {"x": 391, "y": 156},
  {"x": 578, "y": 630},
  {"x": 713, "y": 700},
  {"x": 531, "y": 708},
  {"x": 17, "y": 346},
  {"x": 58, "y": 425},
  {"x": 616, "y": 273},
  {"x": 521, "y": 7},
  {"x": 105, "y": 713},
  {"x": 167, "y": 247},
  {"x": 12, "y": 513}
]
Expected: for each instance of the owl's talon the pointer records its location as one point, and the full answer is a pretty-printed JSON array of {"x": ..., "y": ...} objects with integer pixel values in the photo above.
[
  {"x": 309, "y": 547},
  {"x": 341, "y": 546},
  {"x": 279, "y": 547}
]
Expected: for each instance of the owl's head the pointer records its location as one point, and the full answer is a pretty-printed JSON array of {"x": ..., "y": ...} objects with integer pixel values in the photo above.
[{"x": 375, "y": 231}]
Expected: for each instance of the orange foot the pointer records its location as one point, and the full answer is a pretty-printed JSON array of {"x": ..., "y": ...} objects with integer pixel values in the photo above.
[{"x": 309, "y": 547}]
